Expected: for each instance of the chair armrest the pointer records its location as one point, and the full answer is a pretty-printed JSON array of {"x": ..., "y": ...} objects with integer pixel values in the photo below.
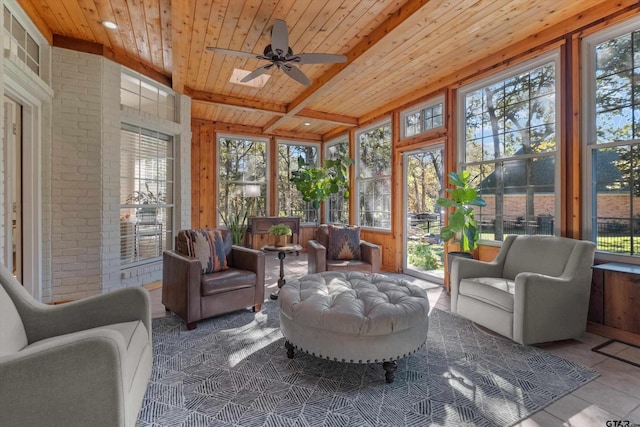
[
  {"x": 317, "y": 259},
  {"x": 544, "y": 303},
  {"x": 371, "y": 253},
  {"x": 123, "y": 305},
  {"x": 181, "y": 277},
  {"x": 464, "y": 268},
  {"x": 251, "y": 260},
  {"x": 74, "y": 380}
]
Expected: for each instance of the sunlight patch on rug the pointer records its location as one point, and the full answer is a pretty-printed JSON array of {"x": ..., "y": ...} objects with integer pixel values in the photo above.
[{"x": 233, "y": 371}]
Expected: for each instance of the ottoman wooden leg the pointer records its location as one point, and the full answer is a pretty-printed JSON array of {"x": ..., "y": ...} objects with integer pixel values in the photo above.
[
  {"x": 390, "y": 368},
  {"x": 289, "y": 348}
]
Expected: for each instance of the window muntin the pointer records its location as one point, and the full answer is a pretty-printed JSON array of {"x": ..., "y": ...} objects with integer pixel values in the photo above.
[
  {"x": 337, "y": 207},
  {"x": 510, "y": 146},
  {"x": 242, "y": 176},
  {"x": 146, "y": 194},
  {"x": 373, "y": 179},
  {"x": 146, "y": 97},
  {"x": 422, "y": 119},
  {"x": 290, "y": 201},
  {"x": 20, "y": 43},
  {"x": 612, "y": 129}
]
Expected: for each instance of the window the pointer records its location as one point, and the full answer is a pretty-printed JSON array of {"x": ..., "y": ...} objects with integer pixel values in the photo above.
[
  {"x": 146, "y": 97},
  {"x": 146, "y": 194},
  {"x": 290, "y": 201},
  {"x": 373, "y": 179},
  {"x": 423, "y": 118},
  {"x": 242, "y": 179},
  {"x": 612, "y": 129},
  {"x": 510, "y": 147},
  {"x": 20, "y": 43},
  {"x": 337, "y": 207}
]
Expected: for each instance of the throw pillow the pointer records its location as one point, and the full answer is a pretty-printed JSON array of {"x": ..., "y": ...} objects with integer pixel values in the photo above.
[
  {"x": 344, "y": 242},
  {"x": 322, "y": 235},
  {"x": 209, "y": 246}
]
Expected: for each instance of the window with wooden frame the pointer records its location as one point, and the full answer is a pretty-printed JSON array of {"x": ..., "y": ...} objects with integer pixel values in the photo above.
[
  {"x": 509, "y": 125},
  {"x": 337, "y": 207},
  {"x": 242, "y": 177},
  {"x": 373, "y": 176},
  {"x": 290, "y": 201},
  {"x": 423, "y": 118},
  {"x": 611, "y": 125}
]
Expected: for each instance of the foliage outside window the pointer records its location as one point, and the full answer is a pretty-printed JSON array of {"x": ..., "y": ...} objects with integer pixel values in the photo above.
[
  {"x": 146, "y": 97},
  {"x": 337, "y": 207},
  {"x": 613, "y": 139},
  {"x": 290, "y": 201},
  {"x": 146, "y": 194},
  {"x": 373, "y": 180},
  {"x": 423, "y": 119},
  {"x": 510, "y": 147},
  {"x": 242, "y": 179}
]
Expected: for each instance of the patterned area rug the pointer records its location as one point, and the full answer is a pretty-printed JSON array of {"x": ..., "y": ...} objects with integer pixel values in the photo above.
[{"x": 233, "y": 371}]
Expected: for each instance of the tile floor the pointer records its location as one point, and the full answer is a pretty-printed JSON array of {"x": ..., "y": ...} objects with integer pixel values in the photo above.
[{"x": 614, "y": 395}]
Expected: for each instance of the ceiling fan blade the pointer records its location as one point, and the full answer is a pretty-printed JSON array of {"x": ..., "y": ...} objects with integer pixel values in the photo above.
[
  {"x": 296, "y": 74},
  {"x": 280, "y": 38},
  {"x": 234, "y": 52},
  {"x": 317, "y": 58},
  {"x": 255, "y": 73}
]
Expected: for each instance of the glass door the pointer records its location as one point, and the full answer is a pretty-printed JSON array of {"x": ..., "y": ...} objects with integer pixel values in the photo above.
[{"x": 424, "y": 183}]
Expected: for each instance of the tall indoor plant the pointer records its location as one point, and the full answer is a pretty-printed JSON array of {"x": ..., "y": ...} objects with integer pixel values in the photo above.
[
  {"x": 317, "y": 183},
  {"x": 462, "y": 227}
]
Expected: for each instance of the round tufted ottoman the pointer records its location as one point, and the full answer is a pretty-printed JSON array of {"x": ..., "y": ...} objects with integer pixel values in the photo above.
[{"x": 354, "y": 317}]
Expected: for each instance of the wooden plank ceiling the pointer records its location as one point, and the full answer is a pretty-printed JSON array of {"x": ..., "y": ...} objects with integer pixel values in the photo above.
[{"x": 396, "y": 49}]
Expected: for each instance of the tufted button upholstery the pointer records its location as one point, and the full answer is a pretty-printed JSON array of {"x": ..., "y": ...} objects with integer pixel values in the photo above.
[
  {"x": 354, "y": 317},
  {"x": 354, "y": 303}
]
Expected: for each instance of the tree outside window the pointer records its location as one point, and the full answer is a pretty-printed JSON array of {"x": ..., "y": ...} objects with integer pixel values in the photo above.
[
  {"x": 373, "y": 182},
  {"x": 290, "y": 201},
  {"x": 613, "y": 140},
  {"x": 337, "y": 207},
  {"x": 509, "y": 147},
  {"x": 242, "y": 179}
]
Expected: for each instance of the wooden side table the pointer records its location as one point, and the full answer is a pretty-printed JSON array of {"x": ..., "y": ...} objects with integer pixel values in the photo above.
[{"x": 282, "y": 253}]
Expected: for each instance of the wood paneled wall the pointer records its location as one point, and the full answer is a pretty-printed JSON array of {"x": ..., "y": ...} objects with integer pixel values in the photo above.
[{"x": 568, "y": 43}]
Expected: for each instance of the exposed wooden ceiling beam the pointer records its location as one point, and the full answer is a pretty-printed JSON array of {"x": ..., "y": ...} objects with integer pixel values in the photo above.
[
  {"x": 403, "y": 13},
  {"x": 328, "y": 117},
  {"x": 235, "y": 102},
  {"x": 118, "y": 57}
]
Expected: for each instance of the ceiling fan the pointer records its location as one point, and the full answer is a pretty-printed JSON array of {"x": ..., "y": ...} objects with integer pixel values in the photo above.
[{"x": 280, "y": 55}]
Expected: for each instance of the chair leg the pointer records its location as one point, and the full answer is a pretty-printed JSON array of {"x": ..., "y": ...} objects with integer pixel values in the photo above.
[
  {"x": 167, "y": 309},
  {"x": 191, "y": 325},
  {"x": 257, "y": 308}
]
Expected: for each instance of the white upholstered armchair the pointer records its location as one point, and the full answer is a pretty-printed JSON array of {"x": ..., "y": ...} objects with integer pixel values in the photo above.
[
  {"x": 536, "y": 290},
  {"x": 83, "y": 363}
]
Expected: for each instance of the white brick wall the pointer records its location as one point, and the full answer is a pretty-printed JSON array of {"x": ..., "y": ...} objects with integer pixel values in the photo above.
[{"x": 85, "y": 176}]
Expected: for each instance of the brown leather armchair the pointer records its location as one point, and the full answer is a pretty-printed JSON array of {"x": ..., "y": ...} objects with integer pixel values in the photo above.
[
  {"x": 319, "y": 261},
  {"x": 194, "y": 296}
]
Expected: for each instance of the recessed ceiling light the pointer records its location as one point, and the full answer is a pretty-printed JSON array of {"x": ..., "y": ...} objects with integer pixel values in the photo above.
[
  {"x": 239, "y": 74},
  {"x": 110, "y": 25},
  {"x": 307, "y": 124}
]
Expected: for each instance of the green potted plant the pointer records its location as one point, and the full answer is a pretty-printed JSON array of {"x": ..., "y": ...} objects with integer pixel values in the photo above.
[
  {"x": 281, "y": 232},
  {"x": 462, "y": 227},
  {"x": 236, "y": 223},
  {"x": 146, "y": 197},
  {"x": 317, "y": 183}
]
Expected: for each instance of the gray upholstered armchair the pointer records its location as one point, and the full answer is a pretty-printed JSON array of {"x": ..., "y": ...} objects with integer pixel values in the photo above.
[
  {"x": 323, "y": 250},
  {"x": 536, "y": 290},
  {"x": 83, "y": 363},
  {"x": 206, "y": 276}
]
